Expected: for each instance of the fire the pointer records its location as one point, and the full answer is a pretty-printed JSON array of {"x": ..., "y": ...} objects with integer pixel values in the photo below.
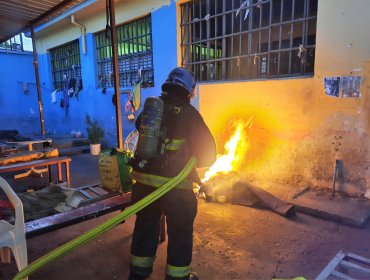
[{"x": 235, "y": 149}]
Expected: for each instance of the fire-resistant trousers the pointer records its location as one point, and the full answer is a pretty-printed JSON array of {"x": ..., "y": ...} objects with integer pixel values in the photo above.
[{"x": 180, "y": 209}]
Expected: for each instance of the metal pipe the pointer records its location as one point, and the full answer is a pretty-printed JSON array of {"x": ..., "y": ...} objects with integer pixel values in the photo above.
[
  {"x": 113, "y": 36},
  {"x": 83, "y": 32},
  {"x": 36, "y": 66},
  {"x": 334, "y": 177}
]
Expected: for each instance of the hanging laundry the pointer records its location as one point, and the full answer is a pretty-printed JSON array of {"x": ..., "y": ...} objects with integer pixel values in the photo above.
[
  {"x": 54, "y": 96},
  {"x": 71, "y": 87},
  {"x": 25, "y": 88},
  {"x": 245, "y": 3},
  {"x": 136, "y": 95},
  {"x": 78, "y": 87},
  {"x": 66, "y": 99},
  {"x": 129, "y": 108},
  {"x": 103, "y": 83},
  {"x": 114, "y": 101}
]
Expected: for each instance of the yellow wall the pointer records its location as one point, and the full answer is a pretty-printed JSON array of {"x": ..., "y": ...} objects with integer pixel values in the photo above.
[
  {"x": 298, "y": 132},
  {"x": 94, "y": 19}
]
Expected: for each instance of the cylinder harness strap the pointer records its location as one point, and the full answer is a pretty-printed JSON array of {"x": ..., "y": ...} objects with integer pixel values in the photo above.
[{"x": 157, "y": 181}]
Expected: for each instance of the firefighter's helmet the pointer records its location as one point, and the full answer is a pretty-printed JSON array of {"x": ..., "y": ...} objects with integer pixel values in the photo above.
[{"x": 180, "y": 77}]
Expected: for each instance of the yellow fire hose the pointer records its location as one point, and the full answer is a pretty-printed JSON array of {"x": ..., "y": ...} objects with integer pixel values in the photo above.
[{"x": 98, "y": 230}]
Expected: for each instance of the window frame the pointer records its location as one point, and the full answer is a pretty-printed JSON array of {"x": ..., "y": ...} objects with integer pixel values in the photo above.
[
  {"x": 216, "y": 55},
  {"x": 135, "y": 54},
  {"x": 65, "y": 64}
]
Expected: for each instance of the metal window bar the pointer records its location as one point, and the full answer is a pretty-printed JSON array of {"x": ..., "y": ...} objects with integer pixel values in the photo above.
[
  {"x": 134, "y": 40},
  {"x": 65, "y": 61},
  {"x": 283, "y": 54},
  {"x": 305, "y": 31},
  {"x": 223, "y": 71},
  {"x": 291, "y": 38}
]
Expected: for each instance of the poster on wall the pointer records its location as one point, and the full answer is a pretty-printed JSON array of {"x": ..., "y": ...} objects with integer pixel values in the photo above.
[
  {"x": 350, "y": 86},
  {"x": 347, "y": 86},
  {"x": 331, "y": 85}
]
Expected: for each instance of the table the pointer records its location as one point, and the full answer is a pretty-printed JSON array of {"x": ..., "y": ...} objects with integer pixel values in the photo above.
[
  {"x": 48, "y": 162},
  {"x": 29, "y": 144}
]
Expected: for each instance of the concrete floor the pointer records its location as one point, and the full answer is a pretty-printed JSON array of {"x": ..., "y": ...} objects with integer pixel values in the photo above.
[{"x": 230, "y": 242}]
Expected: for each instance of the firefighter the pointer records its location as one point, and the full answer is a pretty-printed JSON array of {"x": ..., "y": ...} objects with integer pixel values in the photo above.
[{"x": 182, "y": 134}]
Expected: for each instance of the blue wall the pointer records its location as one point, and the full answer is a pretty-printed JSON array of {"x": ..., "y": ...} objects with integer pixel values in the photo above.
[
  {"x": 92, "y": 100},
  {"x": 19, "y": 110}
]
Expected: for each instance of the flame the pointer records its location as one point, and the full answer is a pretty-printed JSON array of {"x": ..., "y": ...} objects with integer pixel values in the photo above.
[{"x": 235, "y": 149}]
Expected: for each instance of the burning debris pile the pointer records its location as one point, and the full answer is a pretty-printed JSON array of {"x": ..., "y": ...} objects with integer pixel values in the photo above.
[{"x": 223, "y": 183}]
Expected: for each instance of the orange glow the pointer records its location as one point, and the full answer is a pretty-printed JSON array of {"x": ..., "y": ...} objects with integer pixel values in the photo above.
[{"x": 235, "y": 149}]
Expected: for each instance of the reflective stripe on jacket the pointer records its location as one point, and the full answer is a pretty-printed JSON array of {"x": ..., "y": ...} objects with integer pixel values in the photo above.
[{"x": 173, "y": 144}]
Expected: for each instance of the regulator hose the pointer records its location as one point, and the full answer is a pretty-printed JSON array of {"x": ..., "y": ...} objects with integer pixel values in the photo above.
[{"x": 98, "y": 230}]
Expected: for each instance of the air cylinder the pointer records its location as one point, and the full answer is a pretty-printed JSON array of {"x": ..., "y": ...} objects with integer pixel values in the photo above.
[{"x": 150, "y": 128}]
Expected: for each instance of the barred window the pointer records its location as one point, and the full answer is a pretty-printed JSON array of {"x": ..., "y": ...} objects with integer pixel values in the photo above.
[
  {"x": 17, "y": 43},
  {"x": 248, "y": 39},
  {"x": 65, "y": 63},
  {"x": 135, "y": 55}
]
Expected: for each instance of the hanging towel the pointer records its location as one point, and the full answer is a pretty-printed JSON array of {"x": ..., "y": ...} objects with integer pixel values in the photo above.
[
  {"x": 135, "y": 94},
  {"x": 71, "y": 87},
  {"x": 78, "y": 87},
  {"x": 54, "y": 96},
  {"x": 129, "y": 109}
]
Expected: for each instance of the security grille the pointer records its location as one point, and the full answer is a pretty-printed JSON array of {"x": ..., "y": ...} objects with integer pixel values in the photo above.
[
  {"x": 135, "y": 57},
  {"x": 66, "y": 65},
  {"x": 248, "y": 39}
]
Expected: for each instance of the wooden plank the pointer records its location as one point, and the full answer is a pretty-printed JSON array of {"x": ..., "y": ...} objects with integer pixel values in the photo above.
[
  {"x": 86, "y": 194},
  {"x": 98, "y": 190},
  {"x": 61, "y": 220}
]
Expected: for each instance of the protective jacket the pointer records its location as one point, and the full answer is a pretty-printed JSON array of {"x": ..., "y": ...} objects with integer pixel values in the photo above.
[{"x": 184, "y": 134}]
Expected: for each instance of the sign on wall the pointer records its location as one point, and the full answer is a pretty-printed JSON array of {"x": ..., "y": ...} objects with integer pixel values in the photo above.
[{"x": 346, "y": 86}]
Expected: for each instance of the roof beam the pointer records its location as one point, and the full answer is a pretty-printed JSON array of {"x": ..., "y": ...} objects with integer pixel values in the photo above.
[{"x": 57, "y": 7}]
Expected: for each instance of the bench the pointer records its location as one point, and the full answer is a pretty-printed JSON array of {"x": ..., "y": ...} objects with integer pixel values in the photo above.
[{"x": 42, "y": 162}]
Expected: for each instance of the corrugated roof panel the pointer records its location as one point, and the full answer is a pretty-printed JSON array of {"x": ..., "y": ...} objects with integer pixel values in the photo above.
[{"x": 18, "y": 15}]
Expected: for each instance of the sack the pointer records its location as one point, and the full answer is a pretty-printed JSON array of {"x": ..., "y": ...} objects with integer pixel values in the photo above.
[{"x": 115, "y": 171}]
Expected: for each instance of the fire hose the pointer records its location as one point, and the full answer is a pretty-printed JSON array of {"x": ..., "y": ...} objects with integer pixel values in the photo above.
[{"x": 100, "y": 229}]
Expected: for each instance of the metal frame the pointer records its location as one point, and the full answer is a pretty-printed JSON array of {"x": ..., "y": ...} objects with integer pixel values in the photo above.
[
  {"x": 346, "y": 266},
  {"x": 262, "y": 41}
]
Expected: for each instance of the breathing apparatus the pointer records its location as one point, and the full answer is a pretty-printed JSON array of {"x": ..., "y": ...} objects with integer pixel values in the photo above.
[{"x": 151, "y": 131}]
